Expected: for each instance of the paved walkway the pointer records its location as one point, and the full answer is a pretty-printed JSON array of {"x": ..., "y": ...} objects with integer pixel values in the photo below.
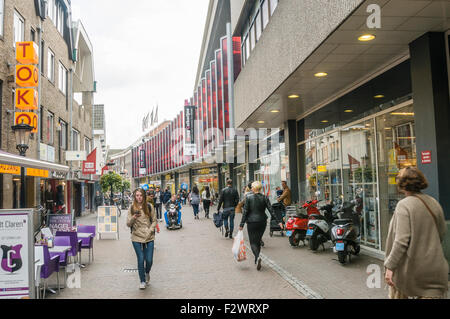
[{"x": 196, "y": 262}]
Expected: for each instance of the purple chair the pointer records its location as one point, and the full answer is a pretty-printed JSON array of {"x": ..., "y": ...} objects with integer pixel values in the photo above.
[
  {"x": 51, "y": 265},
  {"x": 87, "y": 243},
  {"x": 74, "y": 242},
  {"x": 63, "y": 257}
]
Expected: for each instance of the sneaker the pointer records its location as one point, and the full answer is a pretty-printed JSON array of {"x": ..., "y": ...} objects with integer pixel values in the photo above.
[
  {"x": 258, "y": 265},
  {"x": 226, "y": 233},
  {"x": 147, "y": 279},
  {"x": 142, "y": 285}
]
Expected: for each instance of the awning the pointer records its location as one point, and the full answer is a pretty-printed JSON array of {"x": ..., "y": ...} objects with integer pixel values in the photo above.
[{"x": 16, "y": 160}]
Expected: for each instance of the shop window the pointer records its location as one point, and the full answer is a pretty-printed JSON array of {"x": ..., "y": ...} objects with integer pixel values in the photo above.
[{"x": 19, "y": 28}]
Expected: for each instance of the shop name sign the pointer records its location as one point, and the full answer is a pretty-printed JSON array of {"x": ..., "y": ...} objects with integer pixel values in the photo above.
[
  {"x": 27, "y": 82},
  {"x": 426, "y": 157}
]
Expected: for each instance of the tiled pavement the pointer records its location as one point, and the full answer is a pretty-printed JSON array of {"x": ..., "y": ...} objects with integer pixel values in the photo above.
[{"x": 196, "y": 262}]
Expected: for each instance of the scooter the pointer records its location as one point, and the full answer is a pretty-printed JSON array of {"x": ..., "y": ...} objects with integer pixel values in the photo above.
[
  {"x": 345, "y": 233},
  {"x": 296, "y": 227},
  {"x": 311, "y": 207},
  {"x": 173, "y": 218},
  {"x": 319, "y": 227}
]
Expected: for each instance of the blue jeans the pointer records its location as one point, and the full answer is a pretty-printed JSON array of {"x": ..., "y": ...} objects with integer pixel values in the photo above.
[
  {"x": 167, "y": 219},
  {"x": 228, "y": 215},
  {"x": 144, "y": 253},
  {"x": 195, "y": 207}
]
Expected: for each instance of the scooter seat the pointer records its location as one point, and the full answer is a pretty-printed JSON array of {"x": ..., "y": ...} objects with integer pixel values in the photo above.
[
  {"x": 302, "y": 216},
  {"x": 316, "y": 216},
  {"x": 342, "y": 221}
]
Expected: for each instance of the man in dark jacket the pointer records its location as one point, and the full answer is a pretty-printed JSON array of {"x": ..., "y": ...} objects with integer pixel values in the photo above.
[
  {"x": 229, "y": 198},
  {"x": 166, "y": 196}
]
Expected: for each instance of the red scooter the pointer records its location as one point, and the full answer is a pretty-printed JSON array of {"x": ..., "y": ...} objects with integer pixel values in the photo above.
[{"x": 297, "y": 224}]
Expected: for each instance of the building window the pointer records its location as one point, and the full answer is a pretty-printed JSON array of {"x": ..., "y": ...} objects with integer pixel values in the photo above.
[
  {"x": 63, "y": 135},
  {"x": 273, "y": 6},
  {"x": 52, "y": 10},
  {"x": 41, "y": 58},
  {"x": 75, "y": 140},
  {"x": 51, "y": 66},
  {"x": 50, "y": 125},
  {"x": 32, "y": 35},
  {"x": 62, "y": 84},
  {"x": 257, "y": 24},
  {"x": 2, "y": 9},
  {"x": 41, "y": 120},
  {"x": 87, "y": 145},
  {"x": 60, "y": 23},
  {"x": 265, "y": 13},
  {"x": 19, "y": 28}
]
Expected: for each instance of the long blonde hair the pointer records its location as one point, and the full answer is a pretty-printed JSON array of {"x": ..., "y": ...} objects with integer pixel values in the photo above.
[{"x": 135, "y": 206}]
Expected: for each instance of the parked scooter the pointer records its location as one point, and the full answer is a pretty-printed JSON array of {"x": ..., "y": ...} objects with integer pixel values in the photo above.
[
  {"x": 345, "y": 233},
  {"x": 319, "y": 226},
  {"x": 311, "y": 207},
  {"x": 296, "y": 227}
]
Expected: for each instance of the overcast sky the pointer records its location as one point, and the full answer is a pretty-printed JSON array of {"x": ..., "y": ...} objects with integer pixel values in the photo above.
[{"x": 146, "y": 52}]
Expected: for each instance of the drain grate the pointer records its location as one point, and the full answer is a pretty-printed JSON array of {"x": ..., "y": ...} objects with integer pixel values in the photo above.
[{"x": 129, "y": 270}]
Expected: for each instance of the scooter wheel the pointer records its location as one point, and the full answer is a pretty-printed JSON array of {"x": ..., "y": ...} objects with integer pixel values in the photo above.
[
  {"x": 271, "y": 234},
  {"x": 313, "y": 243},
  {"x": 293, "y": 240},
  {"x": 342, "y": 256},
  {"x": 181, "y": 225}
]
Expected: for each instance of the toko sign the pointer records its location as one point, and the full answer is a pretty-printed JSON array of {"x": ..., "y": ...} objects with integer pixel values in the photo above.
[{"x": 27, "y": 82}]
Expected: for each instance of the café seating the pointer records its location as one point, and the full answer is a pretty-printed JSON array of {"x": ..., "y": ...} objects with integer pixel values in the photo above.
[
  {"x": 74, "y": 243},
  {"x": 87, "y": 243},
  {"x": 50, "y": 265},
  {"x": 63, "y": 257}
]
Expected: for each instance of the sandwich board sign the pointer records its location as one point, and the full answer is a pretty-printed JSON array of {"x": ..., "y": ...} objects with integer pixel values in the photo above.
[
  {"x": 108, "y": 221},
  {"x": 17, "y": 259}
]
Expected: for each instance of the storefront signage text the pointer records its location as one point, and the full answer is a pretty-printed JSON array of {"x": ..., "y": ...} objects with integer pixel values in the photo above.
[
  {"x": 60, "y": 223},
  {"x": 37, "y": 172},
  {"x": 9, "y": 169},
  {"x": 426, "y": 157}
]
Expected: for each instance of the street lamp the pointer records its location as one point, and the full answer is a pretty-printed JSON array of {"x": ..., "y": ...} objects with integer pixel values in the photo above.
[{"x": 22, "y": 133}]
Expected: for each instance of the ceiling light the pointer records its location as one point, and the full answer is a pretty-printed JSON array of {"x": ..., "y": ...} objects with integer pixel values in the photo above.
[
  {"x": 320, "y": 74},
  {"x": 325, "y": 121},
  {"x": 294, "y": 96},
  {"x": 275, "y": 111},
  {"x": 379, "y": 96},
  {"x": 260, "y": 122},
  {"x": 403, "y": 113},
  {"x": 348, "y": 111},
  {"x": 366, "y": 37}
]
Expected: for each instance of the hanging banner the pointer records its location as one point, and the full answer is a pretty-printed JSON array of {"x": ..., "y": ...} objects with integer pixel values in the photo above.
[
  {"x": 89, "y": 166},
  {"x": 17, "y": 261},
  {"x": 189, "y": 139}
]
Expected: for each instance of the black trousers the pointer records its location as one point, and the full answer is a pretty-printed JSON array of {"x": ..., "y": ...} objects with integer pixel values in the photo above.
[
  {"x": 206, "y": 205},
  {"x": 158, "y": 211},
  {"x": 255, "y": 233}
]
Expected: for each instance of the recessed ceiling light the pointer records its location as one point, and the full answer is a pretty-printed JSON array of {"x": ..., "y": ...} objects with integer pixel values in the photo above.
[
  {"x": 275, "y": 111},
  {"x": 379, "y": 96},
  {"x": 366, "y": 37},
  {"x": 403, "y": 113},
  {"x": 325, "y": 121},
  {"x": 294, "y": 96},
  {"x": 260, "y": 122},
  {"x": 320, "y": 74},
  {"x": 348, "y": 111}
]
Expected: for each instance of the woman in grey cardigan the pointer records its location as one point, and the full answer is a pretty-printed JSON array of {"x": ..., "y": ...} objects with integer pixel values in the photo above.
[{"x": 415, "y": 263}]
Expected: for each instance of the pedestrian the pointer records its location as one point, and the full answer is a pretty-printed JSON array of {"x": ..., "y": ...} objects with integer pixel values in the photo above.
[
  {"x": 158, "y": 203},
  {"x": 166, "y": 195},
  {"x": 229, "y": 198},
  {"x": 98, "y": 200},
  {"x": 142, "y": 221},
  {"x": 254, "y": 214},
  {"x": 415, "y": 265},
  {"x": 285, "y": 197},
  {"x": 177, "y": 204},
  {"x": 206, "y": 199},
  {"x": 194, "y": 198},
  {"x": 183, "y": 197}
]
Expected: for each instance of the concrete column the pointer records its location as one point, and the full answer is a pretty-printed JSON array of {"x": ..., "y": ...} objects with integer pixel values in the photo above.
[
  {"x": 191, "y": 180},
  {"x": 220, "y": 176},
  {"x": 290, "y": 134},
  {"x": 177, "y": 181},
  {"x": 432, "y": 112}
]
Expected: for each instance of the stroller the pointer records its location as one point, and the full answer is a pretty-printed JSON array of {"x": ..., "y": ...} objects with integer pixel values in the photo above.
[{"x": 278, "y": 209}]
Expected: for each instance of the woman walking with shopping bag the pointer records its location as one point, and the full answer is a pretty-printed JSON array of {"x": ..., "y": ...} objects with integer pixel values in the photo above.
[
  {"x": 254, "y": 215},
  {"x": 142, "y": 221},
  {"x": 415, "y": 263}
]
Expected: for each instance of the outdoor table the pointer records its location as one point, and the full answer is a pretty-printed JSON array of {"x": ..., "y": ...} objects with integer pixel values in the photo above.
[
  {"x": 59, "y": 249},
  {"x": 85, "y": 235}
]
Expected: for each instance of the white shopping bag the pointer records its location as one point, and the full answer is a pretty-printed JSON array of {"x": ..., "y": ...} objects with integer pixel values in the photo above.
[{"x": 238, "y": 249}]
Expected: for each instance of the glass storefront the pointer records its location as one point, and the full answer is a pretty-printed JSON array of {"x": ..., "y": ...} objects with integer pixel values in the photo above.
[
  {"x": 207, "y": 176},
  {"x": 360, "y": 161}
]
